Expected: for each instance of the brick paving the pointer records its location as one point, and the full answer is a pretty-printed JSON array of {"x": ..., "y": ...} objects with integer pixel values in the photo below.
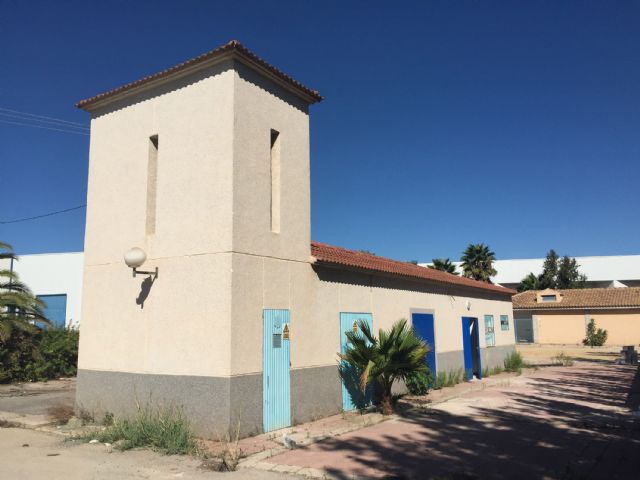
[{"x": 556, "y": 423}]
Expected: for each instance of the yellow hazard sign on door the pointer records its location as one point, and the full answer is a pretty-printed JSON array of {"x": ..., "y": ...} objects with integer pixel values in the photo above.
[{"x": 285, "y": 332}]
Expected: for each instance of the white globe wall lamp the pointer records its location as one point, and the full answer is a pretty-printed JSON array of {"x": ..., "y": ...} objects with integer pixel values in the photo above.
[{"x": 134, "y": 259}]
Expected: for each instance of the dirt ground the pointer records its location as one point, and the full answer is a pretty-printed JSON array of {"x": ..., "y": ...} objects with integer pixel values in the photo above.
[
  {"x": 28, "y": 454},
  {"x": 557, "y": 423},
  {"x": 543, "y": 354}
]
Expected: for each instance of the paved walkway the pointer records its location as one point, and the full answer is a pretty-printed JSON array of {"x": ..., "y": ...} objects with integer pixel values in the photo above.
[{"x": 558, "y": 423}]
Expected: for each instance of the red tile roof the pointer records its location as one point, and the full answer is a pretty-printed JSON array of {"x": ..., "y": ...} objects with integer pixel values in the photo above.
[
  {"x": 330, "y": 255},
  {"x": 581, "y": 298},
  {"x": 232, "y": 48}
]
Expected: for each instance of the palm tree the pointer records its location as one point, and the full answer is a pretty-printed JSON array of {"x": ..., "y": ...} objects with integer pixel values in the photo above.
[
  {"x": 477, "y": 262},
  {"x": 444, "y": 265},
  {"x": 19, "y": 308},
  {"x": 393, "y": 355},
  {"x": 530, "y": 282}
]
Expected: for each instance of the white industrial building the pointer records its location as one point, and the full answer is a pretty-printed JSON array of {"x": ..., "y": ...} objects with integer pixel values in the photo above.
[
  {"x": 55, "y": 278},
  {"x": 612, "y": 271}
]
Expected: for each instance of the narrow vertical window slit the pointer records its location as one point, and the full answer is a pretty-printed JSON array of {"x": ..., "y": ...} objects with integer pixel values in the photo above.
[
  {"x": 275, "y": 181},
  {"x": 152, "y": 184}
]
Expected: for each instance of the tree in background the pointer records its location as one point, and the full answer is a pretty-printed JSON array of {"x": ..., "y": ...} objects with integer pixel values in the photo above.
[
  {"x": 549, "y": 271},
  {"x": 444, "y": 265},
  {"x": 568, "y": 274},
  {"x": 560, "y": 273},
  {"x": 19, "y": 308},
  {"x": 530, "y": 282},
  {"x": 477, "y": 262}
]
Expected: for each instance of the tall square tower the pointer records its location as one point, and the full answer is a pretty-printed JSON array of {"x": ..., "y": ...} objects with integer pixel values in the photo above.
[{"x": 205, "y": 167}]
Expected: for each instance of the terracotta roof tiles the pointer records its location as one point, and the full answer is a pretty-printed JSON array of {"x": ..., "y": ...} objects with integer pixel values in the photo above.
[
  {"x": 234, "y": 48},
  {"x": 330, "y": 255},
  {"x": 581, "y": 298}
]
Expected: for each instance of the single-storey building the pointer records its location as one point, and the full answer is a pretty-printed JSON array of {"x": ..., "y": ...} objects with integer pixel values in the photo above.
[
  {"x": 561, "y": 316},
  {"x": 238, "y": 317}
]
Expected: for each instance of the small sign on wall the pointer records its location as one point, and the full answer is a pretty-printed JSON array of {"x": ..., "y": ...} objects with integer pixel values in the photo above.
[{"x": 285, "y": 332}]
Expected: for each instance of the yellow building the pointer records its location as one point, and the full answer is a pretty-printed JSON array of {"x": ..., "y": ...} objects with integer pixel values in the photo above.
[{"x": 561, "y": 316}]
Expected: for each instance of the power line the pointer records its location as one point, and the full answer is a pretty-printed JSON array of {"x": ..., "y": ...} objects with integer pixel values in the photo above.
[
  {"x": 39, "y": 121},
  {"x": 77, "y": 132},
  {"x": 43, "y": 116},
  {"x": 43, "y": 215}
]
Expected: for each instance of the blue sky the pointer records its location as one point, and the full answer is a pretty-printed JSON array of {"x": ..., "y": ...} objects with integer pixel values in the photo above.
[{"x": 516, "y": 124}]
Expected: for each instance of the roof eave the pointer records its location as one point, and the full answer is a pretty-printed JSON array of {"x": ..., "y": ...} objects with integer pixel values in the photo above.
[
  {"x": 342, "y": 266},
  {"x": 228, "y": 51}
]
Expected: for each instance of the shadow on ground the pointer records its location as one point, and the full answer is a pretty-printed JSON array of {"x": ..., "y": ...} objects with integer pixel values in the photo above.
[{"x": 572, "y": 424}]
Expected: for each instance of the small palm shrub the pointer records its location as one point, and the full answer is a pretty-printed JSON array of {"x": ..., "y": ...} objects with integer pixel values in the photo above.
[
  {"x": 394, "y": 354},
  {"x": 419, "y": 383},
  {"x": 595, "y": 337},
  {"x": 513, "y": 362}
]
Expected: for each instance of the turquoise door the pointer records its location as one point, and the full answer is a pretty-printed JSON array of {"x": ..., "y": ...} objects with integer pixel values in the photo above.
[
  {"x": 352, "y": 396},
  {"x": 276, "y": 379}
]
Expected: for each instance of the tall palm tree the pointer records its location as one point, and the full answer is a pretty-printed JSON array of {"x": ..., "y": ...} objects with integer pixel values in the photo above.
[
  {"x": 19, "y": 308},
  {"x": 477, "y": 262},
  {"x": 444, "y": 265},
  {"x": 393, "y": 355}
]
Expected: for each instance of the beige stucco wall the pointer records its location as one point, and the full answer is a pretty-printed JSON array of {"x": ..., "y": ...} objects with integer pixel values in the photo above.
[
  {"x": 316, "y": 301},
  {"x": 623, "y": 326},
  {"x": 261, "y": 106},
  {"x": 184, "y": 325},
  {"x": 560, "y": 327}
]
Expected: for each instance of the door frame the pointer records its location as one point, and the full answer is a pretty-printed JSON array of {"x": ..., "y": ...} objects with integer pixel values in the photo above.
[{"x": 467, "y": 346}]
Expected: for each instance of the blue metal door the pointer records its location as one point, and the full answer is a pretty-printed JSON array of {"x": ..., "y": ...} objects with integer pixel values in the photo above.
[
  {"x": 423, "y": 325},
  {"x": 352, "y": 396},
  {"x": 471, "y": 347},
  {"x": 276, "y": 378}
]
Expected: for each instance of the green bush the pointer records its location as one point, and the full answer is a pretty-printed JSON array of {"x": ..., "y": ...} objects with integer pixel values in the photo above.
[
  {"x": 595, "y": 337},
  {"x": 419, "y": 383},
  {"x": 164, "y": 429},
  {"x": 513, "y": 362},
  {"x": 42, "y": 355},
  {"x": 497, "y": 369}
]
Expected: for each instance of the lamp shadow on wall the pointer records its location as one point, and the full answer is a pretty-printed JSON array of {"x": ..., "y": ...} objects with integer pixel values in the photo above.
[{"x": 145, "y": 290}]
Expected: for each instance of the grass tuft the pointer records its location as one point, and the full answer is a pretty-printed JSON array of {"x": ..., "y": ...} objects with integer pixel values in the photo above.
[
  {"x": 163, "y": 429},
  {"x": 513, "y": 362},
  {"x": 562, "y": 359}
]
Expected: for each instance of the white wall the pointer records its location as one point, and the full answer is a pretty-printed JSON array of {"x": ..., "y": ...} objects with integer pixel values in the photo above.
[
  {"x": 54, "y": 274},
  {"x": 597, "y": 269}
]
